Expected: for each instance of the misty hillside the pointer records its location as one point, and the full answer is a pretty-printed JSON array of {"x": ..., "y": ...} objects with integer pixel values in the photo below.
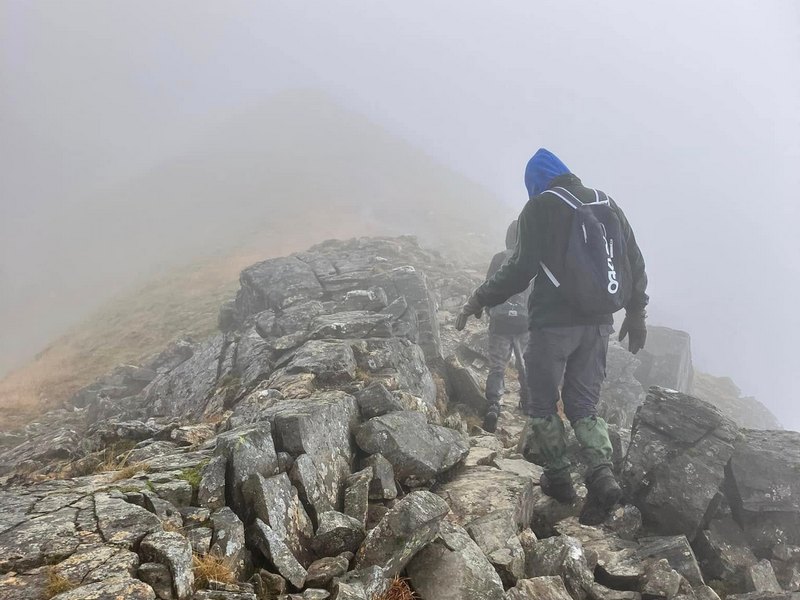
[{"x": 263, "y": 182}]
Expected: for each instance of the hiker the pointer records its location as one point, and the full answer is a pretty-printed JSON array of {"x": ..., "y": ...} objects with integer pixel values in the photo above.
[
  {"x": 577, "y": 244},
  {"x": 508, "y": 334}
]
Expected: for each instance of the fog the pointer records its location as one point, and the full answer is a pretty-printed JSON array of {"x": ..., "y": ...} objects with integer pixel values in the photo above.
[{"x": 687, "y": 113}]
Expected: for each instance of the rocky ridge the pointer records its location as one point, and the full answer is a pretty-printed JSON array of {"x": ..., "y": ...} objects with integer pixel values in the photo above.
[{"x": 325, "y": 442}]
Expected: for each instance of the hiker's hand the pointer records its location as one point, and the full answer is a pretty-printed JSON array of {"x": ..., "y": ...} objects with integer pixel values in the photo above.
[
  {"x": 471, "y": 307},
  {"x": 635, "y": 328}
]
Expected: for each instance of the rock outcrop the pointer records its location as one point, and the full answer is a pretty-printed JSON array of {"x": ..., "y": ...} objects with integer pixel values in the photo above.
[{"x": 326, "y": 441}]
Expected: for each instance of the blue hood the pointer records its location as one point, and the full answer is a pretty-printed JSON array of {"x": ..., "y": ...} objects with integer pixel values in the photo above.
[{"x": 542, "y": 168}]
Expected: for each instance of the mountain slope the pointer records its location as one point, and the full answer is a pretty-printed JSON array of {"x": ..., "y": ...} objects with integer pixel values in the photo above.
[{"x": 269, "y": 181}]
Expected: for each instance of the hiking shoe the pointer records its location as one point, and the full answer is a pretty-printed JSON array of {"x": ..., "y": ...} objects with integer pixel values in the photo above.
[
  {"x": 603, "y": 494},
  {"x": 490, "y": 421},
  {"x": 558, "y": 488}
]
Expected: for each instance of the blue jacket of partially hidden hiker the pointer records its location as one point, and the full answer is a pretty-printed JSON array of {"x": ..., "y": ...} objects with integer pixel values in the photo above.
[{"x": 541, "y": 226}]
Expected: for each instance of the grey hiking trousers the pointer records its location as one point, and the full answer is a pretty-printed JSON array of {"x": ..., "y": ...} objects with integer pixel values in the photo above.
[
  {"x": 574, "y": 356},
  {"x": 501, "y": 347}
]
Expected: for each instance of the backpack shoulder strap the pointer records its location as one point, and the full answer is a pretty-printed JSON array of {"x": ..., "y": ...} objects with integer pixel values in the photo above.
[{"x": 573, "y": 202}]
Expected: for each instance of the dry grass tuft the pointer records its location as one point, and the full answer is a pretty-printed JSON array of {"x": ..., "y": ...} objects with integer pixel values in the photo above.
[
  {"x": 399, "y": 590},
  {"x": 56, "y": 584},
  {"x": 129, "y": 471},
  {"x": 210, "y": 568}
]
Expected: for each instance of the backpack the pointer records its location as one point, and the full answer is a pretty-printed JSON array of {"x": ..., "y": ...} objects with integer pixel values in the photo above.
[
  {"x": 593, "y": 273},
  {"x": 510, "y": 317}
]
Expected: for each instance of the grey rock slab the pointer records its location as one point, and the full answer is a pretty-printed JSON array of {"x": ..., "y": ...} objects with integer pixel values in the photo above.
[
  {"x": 211, "y": 492},
  {"x": 667, "y": 360},
  {"x": 330, "y": 361},
  {"x": 356, "y": 495},
  {"x": 678, "y": 553},
  {"x": 480, "y": 456},
  {"x": 463, "y": 386},
  {"x": 375, "y": 400},
  {"x": 200, "y": 539},
  {"x": 676, "y": 461},
  {"x": 223, "y": 595},
  {"x": 399, "y": 364},
  {"x": 323, "y": 571},
  {"x": 410, "y": 525},
  {"x": 275, "y": 501},
  {"x": 419, "y": 452},
  {"x": 268, "y": 585},
  {"x": 382, "y": 486},
  {"x": 278, "y": 553},
  {"x": 177, "y": 492},
  {"x": 158, "y": 577},
  {"x": 660, "y": 581},
  {"x": 228, "y": 540},
  {"x": 468, "y": 500},
  {"x": 253, "y": 360},
  {"x": 539, "y": 588},
  {"x": 310, "y": 486},
  {"x": 25, "y": 586},
  {"x": 337, "y": 533},
  {"x": 174, "y": 551},
  {"x": 723, "y": 553},
  {"x": 276, "y": 283},
  {"x": 496, "y": 536},
  {"x": 562, "y": 556},
  {"x": 518, "y": 466},
  {"x": 249, "y": 450},
  {"x": 351, "y": 324},
  {"x": 453, "y": 567},
  {"x": 45, "y": 539},
  {"x": 90, "y": 564},
  {"x": 621, "y": 393},
  {"x": 761, "y": 578},
  {"x": 113, "y": 589},
  {"x": 186, "y": 390},
  {"x": 765, "y": 487}
]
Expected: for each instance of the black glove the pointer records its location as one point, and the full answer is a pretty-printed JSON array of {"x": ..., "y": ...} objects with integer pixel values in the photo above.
[
  {"x": 471, "y": 307},
  {"x": 635, "y": 328}
]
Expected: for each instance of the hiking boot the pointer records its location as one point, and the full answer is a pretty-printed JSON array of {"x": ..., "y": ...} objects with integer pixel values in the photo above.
[
  {"x": 559, "y": 487},
  {"x": 603, "y": 494},
  {"x": 490, "y": 420}
]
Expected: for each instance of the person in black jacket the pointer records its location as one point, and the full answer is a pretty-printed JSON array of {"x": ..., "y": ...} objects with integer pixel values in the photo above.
[
  {"x": 508, "y": 334},
  {"x": 565, "y": 344}
]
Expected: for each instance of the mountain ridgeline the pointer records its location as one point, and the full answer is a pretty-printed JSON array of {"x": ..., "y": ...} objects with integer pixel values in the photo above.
[{"x": 324, "y": 442}]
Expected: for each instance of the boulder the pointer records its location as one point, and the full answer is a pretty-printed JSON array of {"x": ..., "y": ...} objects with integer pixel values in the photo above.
[
  {"x": 761, "y": 578},
  {"x": 539, "y": 588},
  {"x": 408, "y": 527},
  {"x": 228, "y": 540},
  {"x": 337, "y": 533},
  {"x": 276, "y": 283},
  {"x": 356, "y": 495},
  {"x": 330, "y": 362},
  {"x": 211, "y": 491},
  {"x": 453, "y": 567},
  {"x": 676, "y": 461},
  {"x": 323, "y": 571},
  {"x": 270, "y": 544},
  {"x": 274, "y": 501},
  {"x": 666, "y": 361},
  {"x": 467, "y": 495},
  {"x": 382, "y": 486},
  {"x": 677, "y": 552},
  {"x": 46, "y": 539},
  {"x": 122, "y": 523},
  {"x": 496, "y": 536},
  {"x": 112, "y": 589},
  {"x": 418, "y": 452},
  {"x": 724, "y": 555},
  {"x": 463, "y": 387},
  {"x": 248, "y": 450},
  {"x": 764, "y": 488},
  {"x": 174, "y": 551},
  {"x": 561, "y": 556},
  {"x": 158, "y": 577},
  {"x": 660, "y": 581},
  {"x": 375, "y": 400},
  {"x": 310, "y": 487},
  {"x": 91, "y": 563}
]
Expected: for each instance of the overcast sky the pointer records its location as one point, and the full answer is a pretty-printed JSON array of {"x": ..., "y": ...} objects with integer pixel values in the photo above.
[{"x": 688, "y": 113}]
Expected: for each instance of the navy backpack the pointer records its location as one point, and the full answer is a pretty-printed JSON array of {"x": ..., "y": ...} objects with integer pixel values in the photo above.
[{"x": 593, "y": 273}]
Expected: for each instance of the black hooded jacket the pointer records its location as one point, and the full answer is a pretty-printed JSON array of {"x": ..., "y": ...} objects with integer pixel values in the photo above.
[
  {"x": 499, "y": 323},
  {"x": 537, "y": 225}
]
